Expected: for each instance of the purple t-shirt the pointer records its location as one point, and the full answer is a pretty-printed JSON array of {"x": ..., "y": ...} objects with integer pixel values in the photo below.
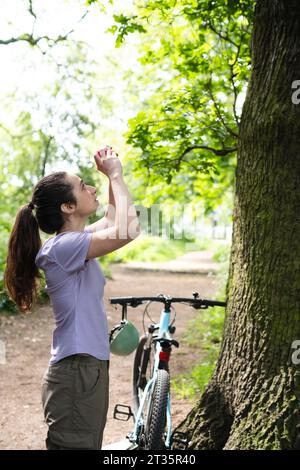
[{"x": 75, "y": 287}]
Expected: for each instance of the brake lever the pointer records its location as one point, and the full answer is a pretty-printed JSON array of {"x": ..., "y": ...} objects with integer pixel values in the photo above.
[{"x": 200, "y": 307}]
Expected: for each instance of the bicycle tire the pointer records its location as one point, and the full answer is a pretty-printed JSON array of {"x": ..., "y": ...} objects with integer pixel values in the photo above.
[
  {"x": 156, "y": 420},
  {"x": 138, "y": 360}
]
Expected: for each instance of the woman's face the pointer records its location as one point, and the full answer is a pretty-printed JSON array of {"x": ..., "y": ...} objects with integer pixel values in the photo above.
[{"x": 85, "y": 195}]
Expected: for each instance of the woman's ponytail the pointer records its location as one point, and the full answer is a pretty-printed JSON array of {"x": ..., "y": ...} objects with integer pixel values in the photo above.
[{"x": 21, "y": 273}]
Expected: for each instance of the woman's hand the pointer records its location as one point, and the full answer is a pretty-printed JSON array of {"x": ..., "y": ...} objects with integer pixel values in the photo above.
[{"x": 108, "y": 163}]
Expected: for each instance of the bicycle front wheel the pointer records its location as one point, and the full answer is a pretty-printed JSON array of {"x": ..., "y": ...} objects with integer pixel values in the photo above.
[{"x": 157, "y": 412}]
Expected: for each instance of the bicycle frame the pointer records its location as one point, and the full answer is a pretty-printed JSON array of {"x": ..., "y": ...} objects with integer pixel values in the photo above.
[{"x": 163, "y": 333}]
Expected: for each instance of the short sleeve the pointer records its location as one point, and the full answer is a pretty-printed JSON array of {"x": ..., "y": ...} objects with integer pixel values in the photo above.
[{"x": 70, "y": 250}]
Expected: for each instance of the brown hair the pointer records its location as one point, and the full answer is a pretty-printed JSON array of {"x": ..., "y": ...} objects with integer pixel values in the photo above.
[{"x": 21, "y": 272}]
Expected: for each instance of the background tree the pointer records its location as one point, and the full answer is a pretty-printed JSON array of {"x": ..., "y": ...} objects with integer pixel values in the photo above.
[
  {"x": 55, "y": 122},
  {"x": 44, "y": 42}
]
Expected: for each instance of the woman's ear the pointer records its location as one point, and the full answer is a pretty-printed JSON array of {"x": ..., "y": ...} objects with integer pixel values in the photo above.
[{"x": 67, "y": 208}]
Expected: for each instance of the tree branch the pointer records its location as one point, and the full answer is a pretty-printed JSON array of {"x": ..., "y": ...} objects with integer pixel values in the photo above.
[
  {"x": 46, "y": 154},
  {"x": 225, "y": 37},
  {"x": 32, "y": 13},
  {"x": 17, "y": 136},
  {"x": 33, "y": 41},
  {"x": 234, "y": 134},
  {"x": 218, "y": 152},
  {"x": 232, "y": 75},
  {"x": 28, "y": 38},
  {"x": 30, "y": 9}
]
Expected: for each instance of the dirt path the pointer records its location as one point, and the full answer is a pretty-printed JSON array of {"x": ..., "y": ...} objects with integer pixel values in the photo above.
[
  {"x": 192, "y": 262},
  {"x": 27, "y": 340}
]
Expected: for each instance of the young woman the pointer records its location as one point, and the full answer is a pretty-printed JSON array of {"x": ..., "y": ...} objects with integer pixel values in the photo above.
[{"x": 75, "y": 384}]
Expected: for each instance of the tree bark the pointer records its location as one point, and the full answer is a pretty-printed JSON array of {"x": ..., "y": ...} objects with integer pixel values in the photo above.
[{"x": 253, "y": 398}]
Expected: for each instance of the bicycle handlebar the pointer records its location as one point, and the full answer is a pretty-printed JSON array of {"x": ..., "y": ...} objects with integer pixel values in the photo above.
[{"x": 167, "y": 300}]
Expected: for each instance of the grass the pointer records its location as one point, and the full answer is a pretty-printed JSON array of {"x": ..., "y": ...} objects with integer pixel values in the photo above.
[
  {"x": 222, "y": 253},
  {"x": 151, "y": 249},
  {"x": 204, "y": 334}
]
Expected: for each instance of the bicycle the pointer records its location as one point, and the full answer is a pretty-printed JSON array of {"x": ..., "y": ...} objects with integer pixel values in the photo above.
[{"x": 151, "y": 380}]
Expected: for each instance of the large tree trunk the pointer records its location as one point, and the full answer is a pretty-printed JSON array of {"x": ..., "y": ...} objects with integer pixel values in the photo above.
[{"x": 253, "y": 398}]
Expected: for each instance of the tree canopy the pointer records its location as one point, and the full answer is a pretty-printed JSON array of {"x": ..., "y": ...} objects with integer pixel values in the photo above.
[{"x": 195, "y": 58}]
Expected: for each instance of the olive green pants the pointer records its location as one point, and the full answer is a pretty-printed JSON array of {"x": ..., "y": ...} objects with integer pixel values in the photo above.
[{"x": 75, "y": 402}]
